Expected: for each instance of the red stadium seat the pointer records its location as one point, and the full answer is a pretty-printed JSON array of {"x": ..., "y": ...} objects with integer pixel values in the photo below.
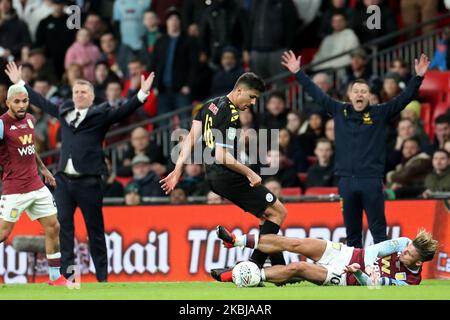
[
  {"x": 321, "y": 190},
  {"x": 439, "y": 109},
  {"x": 312, "y": 160},
  {"x": 435, "y": 86},
  {"x": 426, "y": 113},
  {"x": 295, "y": 191}
]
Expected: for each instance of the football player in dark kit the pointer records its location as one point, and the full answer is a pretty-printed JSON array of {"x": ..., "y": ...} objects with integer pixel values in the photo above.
[{"x": 218, "y": 122}]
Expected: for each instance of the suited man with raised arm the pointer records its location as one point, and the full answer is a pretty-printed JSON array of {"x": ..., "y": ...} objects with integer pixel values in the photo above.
[{"x": 81, "y": 164}]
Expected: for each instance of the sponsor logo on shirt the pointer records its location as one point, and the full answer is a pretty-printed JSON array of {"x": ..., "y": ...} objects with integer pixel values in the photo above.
[
  {"x": 213, "y": 108},
  {"x": 366, "y": 119},
  {"x": 13, "y": 127}
]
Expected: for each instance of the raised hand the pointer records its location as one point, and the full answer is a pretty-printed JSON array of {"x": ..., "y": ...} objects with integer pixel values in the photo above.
[
  {"x": 292, "y": 63},
  {"x": 422, "y": 65},
  {"x": 14, "y": 73},
  {"x": 146, "y": 84},
  {"x": 169, "y": 182}
]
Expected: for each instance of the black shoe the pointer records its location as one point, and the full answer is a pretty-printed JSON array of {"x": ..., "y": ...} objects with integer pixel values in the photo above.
[
  {"x": 217, "y": 274},
  {"x": 226, "y": 236}
]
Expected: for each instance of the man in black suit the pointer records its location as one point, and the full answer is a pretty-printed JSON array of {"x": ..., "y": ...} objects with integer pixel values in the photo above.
[{"x": 81, "y": 164}]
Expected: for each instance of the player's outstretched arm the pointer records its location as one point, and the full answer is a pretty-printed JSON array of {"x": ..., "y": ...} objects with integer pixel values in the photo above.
[
  {"x": 117, "y": 114},
  {"x": 48, "y": 176},
  {"x": 14, "y": 73},
  {"x": 293, "y": 64},
  {"x": 384, "y": 249},
  {"x": 400, "y": 102},
  {"x": 169, "y": 183}
]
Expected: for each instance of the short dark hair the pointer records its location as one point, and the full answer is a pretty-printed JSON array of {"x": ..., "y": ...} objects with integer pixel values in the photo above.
[
  {"x": 442, "y": 151},
  {"x": 276, "y": 94},
  {"x": 415, "y": 139},
  {"x": 443, "y": 118},
  {"x": 362, "y": 81},
  {"x": 251, "y": 81}
]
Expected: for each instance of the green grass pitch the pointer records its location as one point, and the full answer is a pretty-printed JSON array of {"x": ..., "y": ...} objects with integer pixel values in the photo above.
[{"x": 429, "y": 289}]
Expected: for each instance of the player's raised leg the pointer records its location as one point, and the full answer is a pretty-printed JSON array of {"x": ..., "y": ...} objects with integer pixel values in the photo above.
[
  {"x": 271, "y": 243},
  {"x": 281, "y": 274}
]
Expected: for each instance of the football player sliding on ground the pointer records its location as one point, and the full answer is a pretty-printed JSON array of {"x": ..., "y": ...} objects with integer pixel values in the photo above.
[{"x": 392, "y": 262}]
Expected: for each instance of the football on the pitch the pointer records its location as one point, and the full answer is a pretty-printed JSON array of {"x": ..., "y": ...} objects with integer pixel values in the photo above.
[{"x": 246, "y": 274}]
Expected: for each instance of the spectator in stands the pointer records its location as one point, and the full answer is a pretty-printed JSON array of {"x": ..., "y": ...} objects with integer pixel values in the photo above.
[
  {"x": 213, "y": 198},
  {"x": 142, "y": 145},
  {"x": 271, "y": 30},
  {"x": 447, "y": 146},
  {"x": 74, "y": 72},
  {"x": 276, "y": 115},
  {"x": 160, "y": 7},
  {"x": 406, "y": 129},
  {"x": 115, "y": 54},
  {"x": 133, "y": 195},
  {"x": 178, "y": 196},
  {"x": 439, "y": 60},
  {"x": 358, "y": 68},
  {"x": 193, "y": 181},
  {"x": 103, "y": 76},
  {"x": 294, "y": 123},
  {"x": 407, "y": 180},
  {"x": 293, "y": 150},
  {"x": 341, "y": 40},
  {"x": 3, "y": 95},
  {"x": 441, "y": 131},
  {"x": 329, "y": 130},
  {"x": 400, "y": 67},
  {"x": 314, "y": 132},
  {"x": 14, "y": 32},
  {"x": 32, "y": 12},
  {"x": 28, "y": 73},
  {"x": 391, "y": 86},
  {"x": 175, "y": 60},
  {"x": 193, "y": 11},
  {"x": 128, "y": 14},
  {"x": 388, "y": 22},
  {"x": 111, "y": 187},
  {"x": 412, "y": 112},
  {"x": 324, "y": 82},
  {"x": 136, "y": 68},
  {"x": 417, "y": 11},
  {"x": 84, "y": 53},
  {"x": 274, "y": 186},
  {"x": 223, "y": 24},
  {"x": 53, "y": 35},
  {"x": 284, "y": 167},
  {"x": 147, "y": 180},
  {"x": 321, "y": 174},
  {"x": 40, "y": 128},
  {"x": 224, "y": 79},
  {"x": 96, "y": 27},
  {"x": 439, "y": 179},
  {"x": 41, "y": 66},
  {"x": 310, "y": 17},
  {"x": 151, "y": 34},
  {"x": 335, "y": 5}
]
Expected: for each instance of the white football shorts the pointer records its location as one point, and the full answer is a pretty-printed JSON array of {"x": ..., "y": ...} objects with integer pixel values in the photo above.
[{"x": 334, "y": 259}]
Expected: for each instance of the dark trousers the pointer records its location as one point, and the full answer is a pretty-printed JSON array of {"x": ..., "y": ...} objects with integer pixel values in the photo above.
[
  {"x": 358, "y": 194},
  {"x": 86, "y": 193}
]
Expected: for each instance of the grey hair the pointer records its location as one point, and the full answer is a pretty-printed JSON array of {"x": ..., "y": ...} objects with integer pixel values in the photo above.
[
  {"x": 15, "y": 89},
  {"x": 84, "y": 82}
]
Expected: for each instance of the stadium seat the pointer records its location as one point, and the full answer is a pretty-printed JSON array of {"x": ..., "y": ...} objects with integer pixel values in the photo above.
[
  {"x": 435, "y": 86},
  {"x": 295, "y": 191},
  {"x": 426, "y": 113},
  {"x": 312, "y": 160},
  {"x": 321, "y": 190}
]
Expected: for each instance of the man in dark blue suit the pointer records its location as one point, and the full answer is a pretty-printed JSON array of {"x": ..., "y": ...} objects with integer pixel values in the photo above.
[
  {"x": 360, "y": 131},
  {"x": 81, "y": 164}
]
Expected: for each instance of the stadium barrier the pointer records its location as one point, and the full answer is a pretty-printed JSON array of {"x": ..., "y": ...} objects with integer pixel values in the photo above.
[{"x": 178, "y": 243}]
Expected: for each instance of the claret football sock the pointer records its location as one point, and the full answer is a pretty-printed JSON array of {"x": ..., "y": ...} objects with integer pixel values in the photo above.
[{"x": 54, "y": 265}]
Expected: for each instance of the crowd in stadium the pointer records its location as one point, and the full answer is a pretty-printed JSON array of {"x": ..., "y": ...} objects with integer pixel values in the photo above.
[{"x": 198, "y": 49}]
